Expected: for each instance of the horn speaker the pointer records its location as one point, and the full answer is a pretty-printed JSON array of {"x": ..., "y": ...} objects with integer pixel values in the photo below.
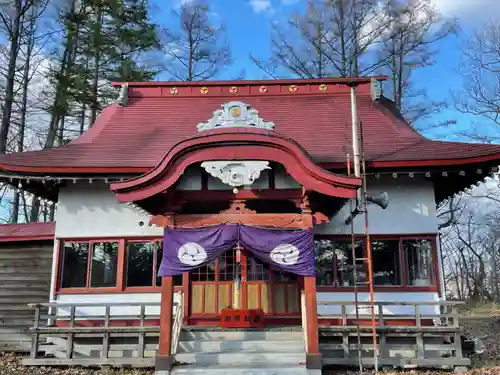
[{"x": 381, "y": 200}]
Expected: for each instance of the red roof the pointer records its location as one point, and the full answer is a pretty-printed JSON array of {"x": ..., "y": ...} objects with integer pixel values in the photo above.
[
  {"x": 27, "y": 232},
  {"x": 158, "y": 115}
]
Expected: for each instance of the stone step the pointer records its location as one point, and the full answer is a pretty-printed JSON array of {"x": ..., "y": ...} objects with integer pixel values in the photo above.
[
  {"x": 272, "y": 359},
  {"x": 238, "y": 370},
  {"x": 294, "y": 346},
  {"x": 195, "y": 335}
]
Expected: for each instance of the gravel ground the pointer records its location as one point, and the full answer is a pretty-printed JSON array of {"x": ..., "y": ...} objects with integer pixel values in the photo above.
[{"x": 487, "y": 329}]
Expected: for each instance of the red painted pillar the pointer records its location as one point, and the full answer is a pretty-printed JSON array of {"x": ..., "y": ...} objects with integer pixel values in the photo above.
[
  {"x": 313, "y": 356},
  {"x": 164, "y": 358}
]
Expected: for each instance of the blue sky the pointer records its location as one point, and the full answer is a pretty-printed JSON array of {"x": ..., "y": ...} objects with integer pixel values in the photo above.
[{"x": 248, "y": 24}]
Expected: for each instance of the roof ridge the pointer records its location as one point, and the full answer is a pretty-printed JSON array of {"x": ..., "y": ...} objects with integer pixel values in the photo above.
[{"x": 337, "y": 80}]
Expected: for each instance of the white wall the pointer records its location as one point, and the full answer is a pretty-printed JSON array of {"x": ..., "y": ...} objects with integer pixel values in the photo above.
[
  {"x": 379, "y": 297},
  {"x": 411, "y": 210},
  {"x": 122, "y": 311},
  {"x": 92, "y": 210}
]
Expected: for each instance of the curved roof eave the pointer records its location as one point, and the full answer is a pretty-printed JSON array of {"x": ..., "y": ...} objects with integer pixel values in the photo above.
[{"x": 236, "y": 144}]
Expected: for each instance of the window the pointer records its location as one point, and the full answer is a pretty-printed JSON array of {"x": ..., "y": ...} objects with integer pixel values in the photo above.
[
  {"x": 159, "y": 255},
  {"x": 407, "y": 262},
  {"x": 334, "y": 262},
  {"x": 205, "y": 272},
  {"x": 418, "y": 254},
  {"x": 140, "y": 261},
  {"x": 386, "y": 262},
  {"x": 75, "y": 257},
  {"x": 104, "y": 265},
  {"x": 257, "y": 271},
  {"x": 75, "y": 264}
]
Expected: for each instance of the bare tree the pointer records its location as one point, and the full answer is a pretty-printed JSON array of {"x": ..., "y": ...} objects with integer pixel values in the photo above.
[
  {"x": 408, "y": 44},
  {"x": 331, "y": 38},
  {"x": 15, "y": 23},
  {"x": 197, "y": 50},
  {"x": 480, "y": 70}
]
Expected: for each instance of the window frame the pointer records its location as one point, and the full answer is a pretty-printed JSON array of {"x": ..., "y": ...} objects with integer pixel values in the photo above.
[
  {"x": 120, "y": 286},
  {"x": 435, "y": 285},
  {"x": 135, "y": 289}
]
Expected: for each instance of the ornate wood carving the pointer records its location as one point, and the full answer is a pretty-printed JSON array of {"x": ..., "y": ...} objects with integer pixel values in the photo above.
[
  {"x": 305, "y": 205},
  {"x": 238, "y": 207},
  {"x": 235, "y": 114},
  {"x": 290, "y": 221},
  {"x": 236, "y": 173},
  {"x": 320, "y": 218}
]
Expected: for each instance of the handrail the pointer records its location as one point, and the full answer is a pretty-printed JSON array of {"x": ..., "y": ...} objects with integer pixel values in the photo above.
[
  {"x": 177, "y": 324},
  {"x": 94, "y": 304},
  {"x": 367, "y": 303},
  {"x": 304, "y": 317}
]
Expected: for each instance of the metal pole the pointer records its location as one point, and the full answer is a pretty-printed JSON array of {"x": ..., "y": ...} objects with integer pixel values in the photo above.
[
  {"x": 369, "y": 256},
  {"x": 355, "y": 135}
]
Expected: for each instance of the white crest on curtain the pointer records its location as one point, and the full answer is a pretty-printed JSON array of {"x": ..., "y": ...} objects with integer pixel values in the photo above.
[
  {"x": 285, "y": 254},
  {"x": 192, "y": 254}
]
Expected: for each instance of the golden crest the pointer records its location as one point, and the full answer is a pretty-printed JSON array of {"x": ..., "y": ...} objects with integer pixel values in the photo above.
[
  {"x": 174, "y": 90},
  {"x": 235, "y": 111},
  {"x": 323, "y": 88},
  {"x": 262, "y": 89},
  {"x": 204, "y": 90},
  {"x": 293, "y": 88},
  {"x": 233, "y": 89}
]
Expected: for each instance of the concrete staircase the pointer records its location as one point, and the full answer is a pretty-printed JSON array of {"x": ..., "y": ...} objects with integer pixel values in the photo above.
[{"x": 240, "y": 352}]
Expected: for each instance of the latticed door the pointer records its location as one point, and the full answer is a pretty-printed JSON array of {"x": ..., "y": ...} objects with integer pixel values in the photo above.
[
  {"x": 225, "y": 284},
  {"x": 212, "y": 285},
  {"x": 269, "y": 289}
]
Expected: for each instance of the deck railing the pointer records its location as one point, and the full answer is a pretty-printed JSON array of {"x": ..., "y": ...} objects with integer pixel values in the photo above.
[
  {"x": 131, "y": 320},
  {"x": 418, "y": 327}
]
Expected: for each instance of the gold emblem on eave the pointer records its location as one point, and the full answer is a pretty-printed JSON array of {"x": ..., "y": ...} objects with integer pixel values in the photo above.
[{"x": 235, "y": 111}]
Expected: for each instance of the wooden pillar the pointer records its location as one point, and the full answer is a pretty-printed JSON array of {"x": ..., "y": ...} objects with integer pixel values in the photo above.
[
  {"x": 164, "y": 359},
  {"x": 313, "y": 356}
]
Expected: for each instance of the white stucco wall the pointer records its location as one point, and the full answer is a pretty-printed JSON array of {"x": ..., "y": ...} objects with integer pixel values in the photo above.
[
  {"x": 121, "y": 311},
  {"x": 411, "y": 210},
  {"x": 92, "y": 210},
  {"x": 325, "y": 311}
]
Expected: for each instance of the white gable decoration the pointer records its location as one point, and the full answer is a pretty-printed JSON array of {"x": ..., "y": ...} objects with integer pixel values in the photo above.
[
  {"x": 235, "y": 173},
  {"x": 234, "y": 115}
]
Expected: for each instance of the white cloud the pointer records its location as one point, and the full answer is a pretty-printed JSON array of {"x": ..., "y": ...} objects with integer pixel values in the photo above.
[
  {"x": 260, "y": 6},
  {"x": 467, "y": 9}
]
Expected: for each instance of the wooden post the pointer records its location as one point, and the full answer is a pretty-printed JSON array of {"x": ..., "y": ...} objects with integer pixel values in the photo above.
[
  {"x": 71, "y": 335},
  {"x": 142, "y": 336},
  {"x": 164, "y": 359},
  {"x": 36, "y": 335},
  {"x": 313, "y": 356},
  {"x": 105, "y": 336}
]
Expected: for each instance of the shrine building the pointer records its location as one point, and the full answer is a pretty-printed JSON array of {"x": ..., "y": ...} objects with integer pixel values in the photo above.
[{"x": 223, "y": 226}]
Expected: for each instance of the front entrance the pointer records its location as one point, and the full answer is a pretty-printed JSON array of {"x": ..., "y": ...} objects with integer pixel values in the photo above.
[{"x": 214, "y": 287}]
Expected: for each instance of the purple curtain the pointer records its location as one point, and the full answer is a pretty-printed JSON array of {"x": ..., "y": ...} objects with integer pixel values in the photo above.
[
  {"x": 290, "y": 251},
  {"x": 187, "y": 249}
]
